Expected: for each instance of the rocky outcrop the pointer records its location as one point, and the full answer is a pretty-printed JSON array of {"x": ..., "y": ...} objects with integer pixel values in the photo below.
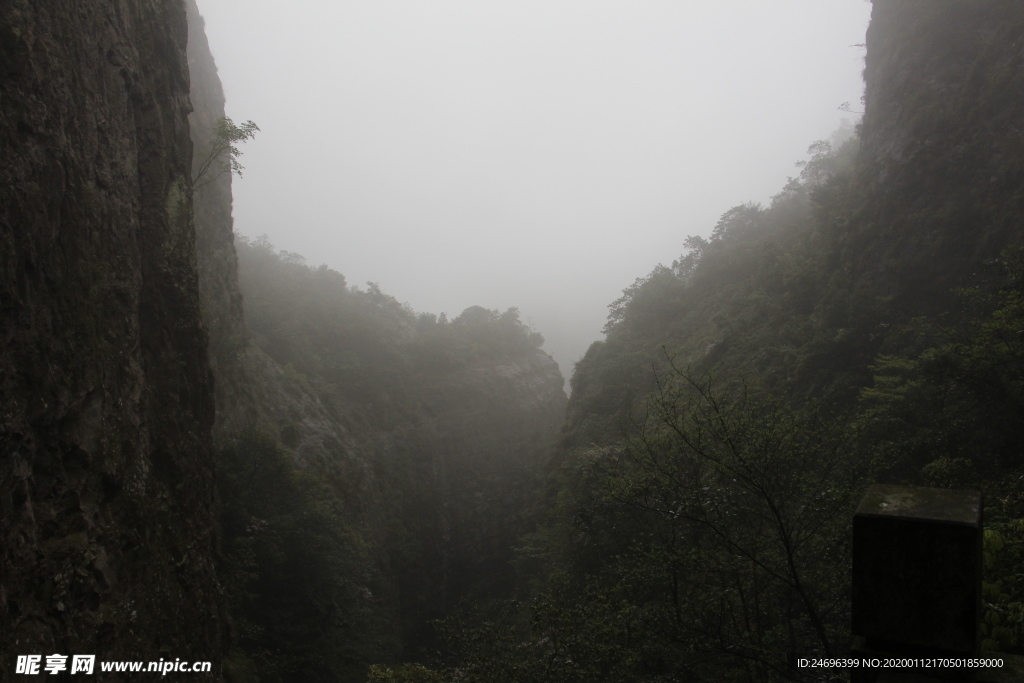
[
  {"x": 942, "y": 156},
  {"x": 106, "y": 396}
]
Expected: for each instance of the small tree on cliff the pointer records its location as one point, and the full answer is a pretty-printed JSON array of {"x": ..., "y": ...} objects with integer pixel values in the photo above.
[{"x": 222, "y": 154}]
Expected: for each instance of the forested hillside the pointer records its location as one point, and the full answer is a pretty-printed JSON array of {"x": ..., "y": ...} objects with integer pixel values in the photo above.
[{"x": 395, "y": 480}]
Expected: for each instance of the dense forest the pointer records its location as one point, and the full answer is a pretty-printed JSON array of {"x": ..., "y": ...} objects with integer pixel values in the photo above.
[{"x": 331, "y": 486}]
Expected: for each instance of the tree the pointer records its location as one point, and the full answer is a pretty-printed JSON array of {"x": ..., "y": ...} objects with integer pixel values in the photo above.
[
  {"x": 222, "y": 154},
  {"x": 711, "y": 544},
  {"x": 723, "y": 519}
]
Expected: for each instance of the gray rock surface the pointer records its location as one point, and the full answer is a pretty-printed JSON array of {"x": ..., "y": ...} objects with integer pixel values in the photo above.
[{"x": 106, "y": 396}]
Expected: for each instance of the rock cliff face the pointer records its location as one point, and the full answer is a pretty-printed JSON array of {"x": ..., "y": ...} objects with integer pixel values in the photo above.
[
  {"x": 106, "y": 400},
  {"x": 942, "y": 156}
]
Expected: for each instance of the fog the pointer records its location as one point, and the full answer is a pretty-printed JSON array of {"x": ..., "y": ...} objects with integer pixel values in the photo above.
[{"x": 537, "y": 154}]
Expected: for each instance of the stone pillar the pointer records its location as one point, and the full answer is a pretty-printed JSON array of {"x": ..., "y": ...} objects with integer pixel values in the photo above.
[{"x": 917, "y": 562}]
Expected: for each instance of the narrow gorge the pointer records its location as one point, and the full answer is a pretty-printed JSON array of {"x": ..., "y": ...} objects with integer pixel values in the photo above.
[{"x": 213, "y": 449}]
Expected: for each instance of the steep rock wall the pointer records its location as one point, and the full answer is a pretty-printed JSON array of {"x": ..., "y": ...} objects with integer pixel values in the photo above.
[
  {"x": 942, "y": 156},
  {"x": 105, "y": 392}
]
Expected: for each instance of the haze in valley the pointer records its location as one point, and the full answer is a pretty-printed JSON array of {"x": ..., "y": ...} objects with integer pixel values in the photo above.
[{"x": 537, "y": 154}]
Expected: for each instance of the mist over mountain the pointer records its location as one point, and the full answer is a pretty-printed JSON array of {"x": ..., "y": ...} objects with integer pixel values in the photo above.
[
  {"x": 307, "y": 420},
  {"x": 523, "y": 154}
]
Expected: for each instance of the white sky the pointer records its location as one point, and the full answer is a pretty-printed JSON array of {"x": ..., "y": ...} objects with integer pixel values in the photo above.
[{"x": 533, "y": 153}]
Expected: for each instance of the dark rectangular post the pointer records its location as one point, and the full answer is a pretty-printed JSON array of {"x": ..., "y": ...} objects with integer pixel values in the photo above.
[{"x": 917, "y": 563}]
